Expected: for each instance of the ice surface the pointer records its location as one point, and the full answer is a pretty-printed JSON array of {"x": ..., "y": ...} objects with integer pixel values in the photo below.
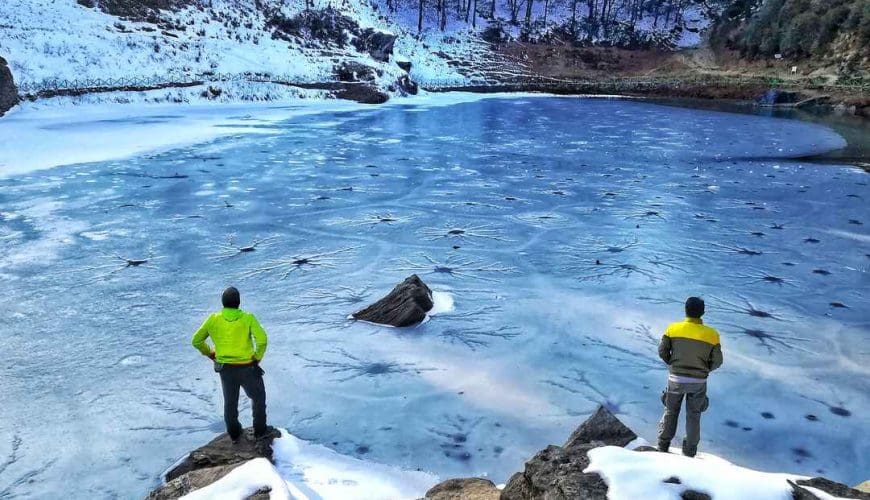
[{"x": 110, "y": 266}]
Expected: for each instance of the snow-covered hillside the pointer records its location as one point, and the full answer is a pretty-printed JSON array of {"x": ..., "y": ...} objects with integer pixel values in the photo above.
[
  {"x": 47, "y": 40},
  {"x": 82, "y": 45}
]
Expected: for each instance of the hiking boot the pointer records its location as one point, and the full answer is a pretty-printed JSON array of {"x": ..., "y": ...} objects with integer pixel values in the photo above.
[
  {"x": 688, "y": 451},
  {"x": 664, "y": 447}
]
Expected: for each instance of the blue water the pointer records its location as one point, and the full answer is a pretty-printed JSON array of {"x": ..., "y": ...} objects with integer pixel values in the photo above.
[{"x": 567, "y": 231}]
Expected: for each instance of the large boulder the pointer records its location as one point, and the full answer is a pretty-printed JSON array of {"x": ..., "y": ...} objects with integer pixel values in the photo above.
[
  {"x": 406, "y": 305},
  {"x": 378, "y": 44},
  {"x": 407, "y": 86},
  {"x": 603, "y": 427},
  {"x": 464, "y": 489},
  {"x": 8, "y": 91},
  {"x": 221, "y": 451},
  {"x": 352, "y": 71},
  {"x": 556, "y": 473},
  {"x": 363, "y": 93}
]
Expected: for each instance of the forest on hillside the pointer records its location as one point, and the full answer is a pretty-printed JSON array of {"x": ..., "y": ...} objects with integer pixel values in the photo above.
[{"x": 794, "y": 28}]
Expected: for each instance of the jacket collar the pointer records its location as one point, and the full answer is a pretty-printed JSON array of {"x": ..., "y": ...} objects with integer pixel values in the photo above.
[{"x": 697, "y": 321}]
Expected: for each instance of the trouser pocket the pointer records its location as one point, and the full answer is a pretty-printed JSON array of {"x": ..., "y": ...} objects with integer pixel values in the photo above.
[{"x": 698, "y": 403}]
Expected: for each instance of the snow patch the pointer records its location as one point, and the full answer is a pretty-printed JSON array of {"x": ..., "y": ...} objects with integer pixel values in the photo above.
[
  {"x": 630, "y": 475},
  {"x": 442, "y": 303}
]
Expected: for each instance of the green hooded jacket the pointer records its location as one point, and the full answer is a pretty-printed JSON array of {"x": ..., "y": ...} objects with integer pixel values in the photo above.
[{"x": 232, "y": 332}]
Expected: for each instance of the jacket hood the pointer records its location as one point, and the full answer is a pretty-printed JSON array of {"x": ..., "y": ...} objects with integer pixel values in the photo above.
[{"x": 231, "y": 314}]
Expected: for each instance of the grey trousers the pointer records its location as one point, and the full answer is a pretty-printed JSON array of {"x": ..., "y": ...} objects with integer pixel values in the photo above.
[{"x": 696, "y": 403}]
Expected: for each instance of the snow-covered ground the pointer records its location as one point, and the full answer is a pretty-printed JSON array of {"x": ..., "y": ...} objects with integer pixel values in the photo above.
[
  {"x": 307, "y": 471},
  {"x": 630, "y": 475}
]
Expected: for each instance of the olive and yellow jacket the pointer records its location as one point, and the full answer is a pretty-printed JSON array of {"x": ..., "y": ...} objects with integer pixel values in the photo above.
[
  {"x": 234, "y": 334},
  {"x": 691, "y": 349}
]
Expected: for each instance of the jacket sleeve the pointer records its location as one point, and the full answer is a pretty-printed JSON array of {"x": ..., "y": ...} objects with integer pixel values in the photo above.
[
  {"x": 199, "y": 337},
  {"x": 665, "y": 349},
  {"x": 716, "y": 357},
  {"x": 260, "y": 338}
]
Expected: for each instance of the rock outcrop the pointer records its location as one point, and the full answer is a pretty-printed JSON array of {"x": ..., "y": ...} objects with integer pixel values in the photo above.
[
  {"x": 604, "y": 427},
  {"x": 464, "y": 489},
  {"x": 406, "y": 305},
  {"x": 211, "y": 462},
  {"x": 778, "y": 98},
  {"x": 556, "y": 472},
  {"x": 352, "y": 71},
  {"x": 8, "y": 91},
  {"x": 378, "y": 44},
  {"x": 362, "y": 93},
  {"x": 830, "y": 487}
]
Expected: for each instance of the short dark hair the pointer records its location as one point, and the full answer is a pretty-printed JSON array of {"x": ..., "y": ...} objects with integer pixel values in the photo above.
[
  {"x": 231, "y": 298},
  {"x": 694, "y": 307}
]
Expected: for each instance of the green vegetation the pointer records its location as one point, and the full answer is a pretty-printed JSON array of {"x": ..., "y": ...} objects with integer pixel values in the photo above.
[{"x": 793, "y": 28}]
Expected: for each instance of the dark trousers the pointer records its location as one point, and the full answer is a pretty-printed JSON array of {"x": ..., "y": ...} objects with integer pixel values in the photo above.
[
  {"x": 696, "y": 403},
  {"x": 249, "y": 378}
]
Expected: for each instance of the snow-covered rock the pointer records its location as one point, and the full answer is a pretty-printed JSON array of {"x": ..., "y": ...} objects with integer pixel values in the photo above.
[
  {"x": 284, "y": 467},
  {"x": 602, "y": 462}
]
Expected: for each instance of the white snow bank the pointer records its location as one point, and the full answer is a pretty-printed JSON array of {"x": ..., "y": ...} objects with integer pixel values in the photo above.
[
  {"x": 243, "y": 482},
  {"x": 313, "y": 472},
  {"x": 308, "y": 471},
  {"x": 630, "y": 475}
]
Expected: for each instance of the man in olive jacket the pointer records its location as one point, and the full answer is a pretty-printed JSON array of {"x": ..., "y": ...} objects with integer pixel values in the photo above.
[
  {"x": 239, "y": 345},
  {"x": 691, "y": 351}
]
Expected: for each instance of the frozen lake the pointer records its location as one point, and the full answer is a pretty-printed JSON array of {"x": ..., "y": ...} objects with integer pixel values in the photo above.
[{"x": 568, "y": 232}]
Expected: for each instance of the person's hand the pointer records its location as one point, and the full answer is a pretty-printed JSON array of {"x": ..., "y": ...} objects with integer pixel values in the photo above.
[{"x": 211, "y": 356}]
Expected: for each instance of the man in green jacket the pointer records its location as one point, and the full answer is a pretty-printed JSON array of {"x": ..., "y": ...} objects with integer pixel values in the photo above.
[
  {"x": 239, "y": 346},
  {"x": 691, "y": 350}
]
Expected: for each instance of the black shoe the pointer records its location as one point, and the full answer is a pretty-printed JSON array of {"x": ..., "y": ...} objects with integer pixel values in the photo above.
[{"x": 664, "y": 447}]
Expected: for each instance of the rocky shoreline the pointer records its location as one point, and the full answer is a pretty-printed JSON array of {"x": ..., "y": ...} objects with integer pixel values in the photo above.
[{"x": 554, "y": 473}]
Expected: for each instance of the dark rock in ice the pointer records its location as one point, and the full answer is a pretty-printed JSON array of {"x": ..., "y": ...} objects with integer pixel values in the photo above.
[
  {"x": 767, "y": 415},
  {"x": 8, "y": 90},
  {"x": 377, "y": 44},
  {"x": 556, "y": 473},
  {"x": 406, "y": 305},
  {"x": 212, "y": 462},
  {"x": 835, "y": 489},
  {"x": 695, "y": 495},
  {"x": 673, "y": 480},
  {"x": 464, "y": 489},
  {"x": 601, "y": 427}
]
